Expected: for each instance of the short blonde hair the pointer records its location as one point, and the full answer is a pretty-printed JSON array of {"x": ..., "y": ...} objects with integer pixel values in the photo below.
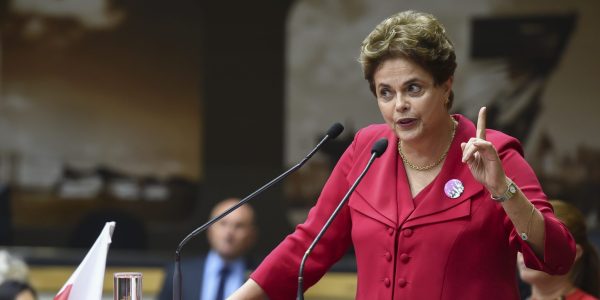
[
  {"x": 12, "y": 267},
  {"x": 585, "y": 273},
  {"x": 414, "y": 35}
]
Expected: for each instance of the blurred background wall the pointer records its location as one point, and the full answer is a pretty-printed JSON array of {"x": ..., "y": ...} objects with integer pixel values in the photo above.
[{"x": 100, "y": 115}]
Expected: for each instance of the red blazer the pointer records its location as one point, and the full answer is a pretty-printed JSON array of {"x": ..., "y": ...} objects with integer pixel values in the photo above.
[{"x": 429, "y": 247}]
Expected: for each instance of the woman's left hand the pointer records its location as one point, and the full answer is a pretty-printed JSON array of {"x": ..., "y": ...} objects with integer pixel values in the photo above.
[{"x": 483, "y": 159}]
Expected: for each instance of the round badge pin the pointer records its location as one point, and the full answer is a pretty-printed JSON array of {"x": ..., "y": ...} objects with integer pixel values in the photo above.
[{"x": 453, "y": 188}]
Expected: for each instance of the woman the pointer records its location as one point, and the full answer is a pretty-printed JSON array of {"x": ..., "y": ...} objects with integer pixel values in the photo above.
[
  {"x": 423, "y": 222},
  {"x": 582, "y": 282},
  {"x": 16, "y": 290}
]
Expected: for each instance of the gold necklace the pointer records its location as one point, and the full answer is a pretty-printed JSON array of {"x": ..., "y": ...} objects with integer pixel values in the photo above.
[{"x": 434, "y": 164}]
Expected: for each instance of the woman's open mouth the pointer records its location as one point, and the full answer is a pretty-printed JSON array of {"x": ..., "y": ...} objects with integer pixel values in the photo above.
[{"x": 406, "y": 122}]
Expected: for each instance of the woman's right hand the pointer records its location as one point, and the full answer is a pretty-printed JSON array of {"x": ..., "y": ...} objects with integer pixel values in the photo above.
[{"x": 249, "y": 291}]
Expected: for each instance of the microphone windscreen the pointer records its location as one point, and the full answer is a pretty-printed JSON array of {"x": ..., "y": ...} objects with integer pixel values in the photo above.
[
  {"x": 379, "y": 147},
  {"x": 335, "y": 130}
]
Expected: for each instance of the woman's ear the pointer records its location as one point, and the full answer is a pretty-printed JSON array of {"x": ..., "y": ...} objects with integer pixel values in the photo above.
[
  {"x": 578, "y": 252},
  {"x": 448, "y": 87}
]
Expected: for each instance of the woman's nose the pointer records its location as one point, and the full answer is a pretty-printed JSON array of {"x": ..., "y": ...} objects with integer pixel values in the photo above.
[{"x": 401, "y": 104}]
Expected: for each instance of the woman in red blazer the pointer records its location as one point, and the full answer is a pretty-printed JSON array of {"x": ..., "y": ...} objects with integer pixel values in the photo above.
[{"x": 444, "y": 211}]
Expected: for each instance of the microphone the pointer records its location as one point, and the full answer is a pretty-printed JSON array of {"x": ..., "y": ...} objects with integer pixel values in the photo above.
[
  {"x": 376, "y": 151},
  {"x": 332, "y": 133}
]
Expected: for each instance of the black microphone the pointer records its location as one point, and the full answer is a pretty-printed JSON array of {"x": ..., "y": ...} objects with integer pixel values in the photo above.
[
  {"x": 376, "y": 151},
  {"x": 332, "y": 133}
]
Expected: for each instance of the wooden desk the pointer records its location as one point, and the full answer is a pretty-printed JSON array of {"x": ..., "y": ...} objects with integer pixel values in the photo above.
[
  {"x": 333, "y": 286},
  {"x": 49, "y": 279}
]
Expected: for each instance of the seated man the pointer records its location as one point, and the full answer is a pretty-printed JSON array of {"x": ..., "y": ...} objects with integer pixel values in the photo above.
[{"x": 219, "y": 273}]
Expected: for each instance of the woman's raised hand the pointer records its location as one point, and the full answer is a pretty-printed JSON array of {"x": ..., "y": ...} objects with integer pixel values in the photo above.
[{"x": 483, "y": 160}]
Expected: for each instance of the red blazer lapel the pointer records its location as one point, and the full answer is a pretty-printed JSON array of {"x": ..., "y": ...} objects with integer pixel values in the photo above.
[
  {"x": 386, "y": 198},
  {"x": 405, "y": 202},
  {"x": 375, "y": 196},
  {"x": 437, "y": 206}
]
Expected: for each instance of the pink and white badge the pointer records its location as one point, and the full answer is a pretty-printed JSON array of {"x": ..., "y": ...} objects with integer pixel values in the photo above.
[{"x": 454, "y": 188}]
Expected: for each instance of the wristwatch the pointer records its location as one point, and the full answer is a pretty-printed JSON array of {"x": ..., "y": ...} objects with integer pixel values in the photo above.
[{"x": 511, "y": 190}]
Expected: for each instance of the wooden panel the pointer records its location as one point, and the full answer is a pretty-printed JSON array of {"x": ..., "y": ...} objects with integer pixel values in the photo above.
[
  {"x": 51, "y": 278},
  {"x": 333, "y": 286}
]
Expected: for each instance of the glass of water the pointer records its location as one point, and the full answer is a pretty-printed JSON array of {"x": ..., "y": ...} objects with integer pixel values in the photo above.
[{"x": 128, "y": 286}]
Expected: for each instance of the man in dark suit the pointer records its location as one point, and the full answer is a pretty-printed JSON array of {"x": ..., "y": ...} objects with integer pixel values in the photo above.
[{"x": 223, "y": 269}]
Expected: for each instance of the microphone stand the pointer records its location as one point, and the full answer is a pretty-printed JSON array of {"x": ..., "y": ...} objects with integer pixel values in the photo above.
[
  {"x": 332, "y": 133},
  {"x": 376, "y": 151}
]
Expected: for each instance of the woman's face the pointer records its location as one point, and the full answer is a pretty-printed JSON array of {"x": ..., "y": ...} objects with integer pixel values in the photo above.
[
  {"x": 533, "y": 277},
  {"x": 409, "y": 101},
  {"x": 25, "y": 295},
  {"x": 528, "y": 275}
]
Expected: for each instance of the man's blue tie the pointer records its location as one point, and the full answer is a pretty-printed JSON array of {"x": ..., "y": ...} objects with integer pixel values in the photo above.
[{"x": 222, "y": 279}]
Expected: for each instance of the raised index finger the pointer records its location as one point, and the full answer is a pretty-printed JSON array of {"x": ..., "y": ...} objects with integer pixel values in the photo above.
[{"x": 481, "y": 123}]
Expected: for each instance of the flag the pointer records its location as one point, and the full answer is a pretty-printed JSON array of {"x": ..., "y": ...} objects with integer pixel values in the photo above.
[{"x": 87, "y": 280}]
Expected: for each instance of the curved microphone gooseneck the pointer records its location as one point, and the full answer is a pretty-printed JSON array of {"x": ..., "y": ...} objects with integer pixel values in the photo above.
[
  {"x": 376, "y": 151},
  {"x": 332, "y": 133}
]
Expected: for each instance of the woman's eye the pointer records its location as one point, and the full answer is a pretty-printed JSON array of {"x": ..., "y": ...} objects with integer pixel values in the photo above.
[
  {"x": 385, "y": 93},
  {"x": 414, "y": 88}
]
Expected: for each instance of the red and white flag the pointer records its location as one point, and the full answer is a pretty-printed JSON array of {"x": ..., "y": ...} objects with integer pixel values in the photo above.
[{"x": 87, "y": 280}]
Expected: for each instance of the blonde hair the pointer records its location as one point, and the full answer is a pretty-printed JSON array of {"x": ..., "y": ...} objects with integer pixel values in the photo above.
[
  {"x": 12, "y": 268},
  {"x": 585, "y": 273},
  {"x": 414, "y": 35}
]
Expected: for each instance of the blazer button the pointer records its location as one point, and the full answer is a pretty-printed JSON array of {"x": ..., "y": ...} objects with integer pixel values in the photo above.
[
  {"x": 408, "y": 232},
  {"x": 387, "y": 282},
  {"x": 404, "y": 257},
  {"x": 390, "y": 230},
  {"x": 388, "y": 256},
  {"x": 402, "y": 282}
]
